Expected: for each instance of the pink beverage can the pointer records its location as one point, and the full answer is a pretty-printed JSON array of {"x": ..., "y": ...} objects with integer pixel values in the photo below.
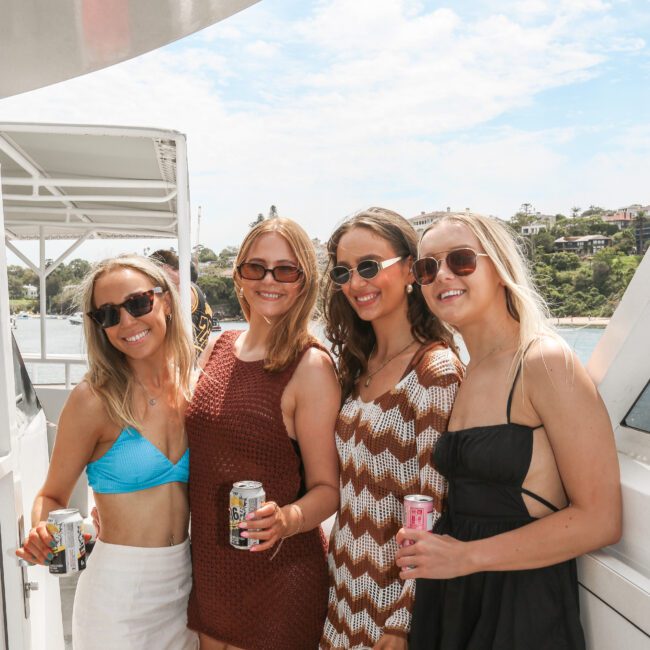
[{"x": 418, "y": 512}]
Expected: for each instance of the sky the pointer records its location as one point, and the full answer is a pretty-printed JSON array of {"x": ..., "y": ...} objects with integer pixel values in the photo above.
[{"x": 324, "y": 107}]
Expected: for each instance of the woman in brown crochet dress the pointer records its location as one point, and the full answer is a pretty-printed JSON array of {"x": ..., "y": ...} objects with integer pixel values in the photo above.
[
  {"x": 399, "y": 375},
  {"x": 264, "y": 409}
]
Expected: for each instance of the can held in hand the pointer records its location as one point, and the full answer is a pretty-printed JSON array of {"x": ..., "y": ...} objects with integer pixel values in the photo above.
[
  {"x": 69, "y": 550},
  {"x": 245, "y": 497},
  {"x": 418, "y": 512}
]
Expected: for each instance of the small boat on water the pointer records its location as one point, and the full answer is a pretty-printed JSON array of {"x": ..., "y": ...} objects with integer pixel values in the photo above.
[
  {"x": 76, "y": 319},
  {"x": 216, "y": 325}
]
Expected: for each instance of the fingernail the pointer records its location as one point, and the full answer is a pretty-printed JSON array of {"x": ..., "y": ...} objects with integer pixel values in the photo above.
[
  {"x": 250, "y": 515},
  {"x": 244, "y": 534},
  {"x": 50, "y": 556},
  {"x": 52, "y": 544},
  {"x": 243, "y": 525}
]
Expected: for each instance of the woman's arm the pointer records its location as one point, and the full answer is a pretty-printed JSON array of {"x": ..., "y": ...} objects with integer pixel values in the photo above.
[
  {"x": 580, "y": 433},
  {"x": 317, "y": 400},
  {"x": 76, "y": 438}
]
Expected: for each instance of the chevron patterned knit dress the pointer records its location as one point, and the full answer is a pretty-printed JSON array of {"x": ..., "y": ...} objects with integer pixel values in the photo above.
[{"x": 385, "y": 449}]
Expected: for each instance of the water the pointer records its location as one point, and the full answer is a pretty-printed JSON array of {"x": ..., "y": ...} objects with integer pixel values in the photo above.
[
  {"x": 65, "y": 338},
  {"x": 62, "y": 338}
]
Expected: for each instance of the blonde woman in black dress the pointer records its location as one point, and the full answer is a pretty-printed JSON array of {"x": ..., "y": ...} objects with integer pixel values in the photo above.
[{"x": 529, "y": 456}]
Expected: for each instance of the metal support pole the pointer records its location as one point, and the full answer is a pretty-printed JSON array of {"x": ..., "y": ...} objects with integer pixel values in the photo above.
[
  {"x": 184, "y": 230},
  {"x": 42, "y": 277}
]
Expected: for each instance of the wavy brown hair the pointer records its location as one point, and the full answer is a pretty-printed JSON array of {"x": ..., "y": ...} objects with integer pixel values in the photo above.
[
  {"x": 290, "y": 333},
  {"x": 109, "y": 374},
  {"x": 352, "y": 338}
]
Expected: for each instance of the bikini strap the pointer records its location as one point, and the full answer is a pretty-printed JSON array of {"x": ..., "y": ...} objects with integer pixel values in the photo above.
[{"x": 541, "y": 500}]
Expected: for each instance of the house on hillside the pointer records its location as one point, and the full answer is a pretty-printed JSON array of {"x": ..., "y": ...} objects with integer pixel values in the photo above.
[
  {"x": 585, "y": 245},
  {"x": 425, "y": 219},
  {"x": 30, "y": 291},
  {"x": 534, "y": 228}
]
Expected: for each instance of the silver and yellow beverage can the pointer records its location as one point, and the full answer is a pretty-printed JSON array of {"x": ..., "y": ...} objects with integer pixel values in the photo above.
[
  {"x": 245, "y": 497},
  {"x": 69, "y": 549}
]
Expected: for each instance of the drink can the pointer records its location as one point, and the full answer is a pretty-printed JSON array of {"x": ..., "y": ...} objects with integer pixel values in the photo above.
[
  {"x": 245, "y": 497},
  {"x": 418, "y": 512},
  {"x": 69, "y": 550}
]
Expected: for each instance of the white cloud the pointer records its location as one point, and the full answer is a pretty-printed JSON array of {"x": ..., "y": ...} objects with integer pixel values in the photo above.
[{"x": 360, "y": 103}]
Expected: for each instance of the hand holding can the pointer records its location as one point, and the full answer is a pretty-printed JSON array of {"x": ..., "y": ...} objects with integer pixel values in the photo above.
[{"x": 37, "y": 546}]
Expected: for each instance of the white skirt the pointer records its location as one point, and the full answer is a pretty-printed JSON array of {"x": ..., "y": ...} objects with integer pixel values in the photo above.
[{"x": 134, "y": 598}]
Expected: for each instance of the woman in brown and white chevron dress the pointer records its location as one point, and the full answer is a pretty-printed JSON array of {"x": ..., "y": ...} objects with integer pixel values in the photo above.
[{"x": 399, "y": 374}]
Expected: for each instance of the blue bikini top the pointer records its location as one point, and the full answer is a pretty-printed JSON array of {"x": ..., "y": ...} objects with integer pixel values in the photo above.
[{"x": 134, "y": 463}]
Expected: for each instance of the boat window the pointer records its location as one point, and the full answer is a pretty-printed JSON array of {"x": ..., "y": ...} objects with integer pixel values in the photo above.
[
  {"x": 26, "y": 400},
  {"x": 639, "y": 415}
]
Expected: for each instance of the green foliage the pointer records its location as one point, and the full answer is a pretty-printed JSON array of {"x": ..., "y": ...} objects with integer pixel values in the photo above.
[
  {"x": 23, "y": 304},
  {"x": 206, "y": 254},
  {"x": 220, "y": 292},
  {"x": 575, "y": 286}
]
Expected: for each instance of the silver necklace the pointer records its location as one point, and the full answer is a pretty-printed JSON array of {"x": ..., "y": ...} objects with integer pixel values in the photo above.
[
  {"x": 490, "y": 352},
  {"x": 383, "y": 365},
  {"x": 152, "y": 401}
]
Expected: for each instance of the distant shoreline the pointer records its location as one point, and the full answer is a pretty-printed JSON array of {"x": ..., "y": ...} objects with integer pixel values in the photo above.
[{"x": 581, "y": 321}]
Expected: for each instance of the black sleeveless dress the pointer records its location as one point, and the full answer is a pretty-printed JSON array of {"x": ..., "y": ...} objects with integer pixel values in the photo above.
[{"x": 533, "y": 609}]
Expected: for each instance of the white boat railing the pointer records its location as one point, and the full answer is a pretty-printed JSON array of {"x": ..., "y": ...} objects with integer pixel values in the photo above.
[{"x": 67, "y": 360}]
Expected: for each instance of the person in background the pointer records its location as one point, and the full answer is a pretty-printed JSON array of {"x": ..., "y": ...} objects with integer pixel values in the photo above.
[
  {"x": 399, "y": 375},
  {"x": 264, "y": 409},
  {"x": 124, "y": 424},
  {"x": 529, "y": 456},
  {"x": 201, "y": 310}
]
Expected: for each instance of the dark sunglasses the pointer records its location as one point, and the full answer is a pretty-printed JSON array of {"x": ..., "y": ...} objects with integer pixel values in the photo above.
[
  {"x": 367, "y": 269},
  {"x": 461, "y": 261},
  {"x": 137, "y": 305},
  {"x": 255, "y": 271}
]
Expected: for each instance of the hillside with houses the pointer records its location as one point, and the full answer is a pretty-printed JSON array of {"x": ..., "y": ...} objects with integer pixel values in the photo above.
[{"x": 582, "y": 262}]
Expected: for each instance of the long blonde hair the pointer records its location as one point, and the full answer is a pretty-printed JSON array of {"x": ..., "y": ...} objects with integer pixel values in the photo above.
[
  {"x": 523, "y": 301},
  {"x": 290, "y": 332},
  {"x": 109, "y": 375}
]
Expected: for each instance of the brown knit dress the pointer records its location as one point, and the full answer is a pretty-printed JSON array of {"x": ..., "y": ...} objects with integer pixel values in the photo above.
[{"x": 236, "y": 432}]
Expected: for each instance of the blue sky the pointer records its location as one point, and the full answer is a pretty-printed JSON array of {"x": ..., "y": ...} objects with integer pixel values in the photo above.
[{"x": 328, "y": 106}]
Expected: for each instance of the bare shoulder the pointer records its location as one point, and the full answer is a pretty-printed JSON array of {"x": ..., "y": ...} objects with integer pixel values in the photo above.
[
  {"x": 84, "y": 412},
  {"x": 549, "y": 359},
  {"x": 315, "y": 377},
  {"x": 85, "y": 401},
  {"x": 316, "y": 367}
]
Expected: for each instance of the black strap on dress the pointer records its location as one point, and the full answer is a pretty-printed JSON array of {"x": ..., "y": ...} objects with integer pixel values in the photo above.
[{"x": 537, "y": 498}]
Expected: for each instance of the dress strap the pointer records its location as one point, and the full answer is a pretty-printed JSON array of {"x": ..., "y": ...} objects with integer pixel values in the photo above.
[
  {"x": 511, "y": 393},
  {"x": 541, "y": 500}
]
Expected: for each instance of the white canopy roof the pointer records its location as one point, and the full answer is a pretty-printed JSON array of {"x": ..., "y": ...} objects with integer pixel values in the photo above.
[
  {"x": 45, "y": 41},
  {"x": 79, "y": 182},
  {"x": 66, "y": 181}
]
